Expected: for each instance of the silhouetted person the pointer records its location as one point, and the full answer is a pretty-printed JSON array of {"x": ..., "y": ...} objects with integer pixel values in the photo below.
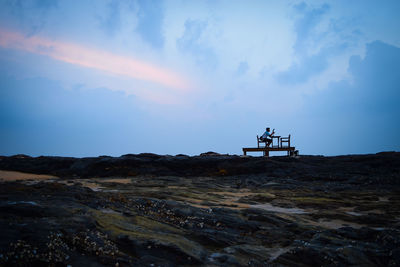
[{"x": 267, "y": 136}]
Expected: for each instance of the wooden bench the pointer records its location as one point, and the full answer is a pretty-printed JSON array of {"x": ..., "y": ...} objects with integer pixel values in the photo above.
[{"x": 291, "y": 151}]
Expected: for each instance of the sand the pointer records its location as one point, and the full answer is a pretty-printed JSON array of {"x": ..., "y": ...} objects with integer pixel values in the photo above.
[{"x": 10, "y": 176}]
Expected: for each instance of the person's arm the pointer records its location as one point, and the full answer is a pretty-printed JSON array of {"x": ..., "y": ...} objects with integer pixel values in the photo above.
[{"x": 263, "y": 136}]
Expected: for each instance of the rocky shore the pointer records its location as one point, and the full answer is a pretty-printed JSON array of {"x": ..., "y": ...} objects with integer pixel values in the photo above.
[{"x": 207, "y": 210}]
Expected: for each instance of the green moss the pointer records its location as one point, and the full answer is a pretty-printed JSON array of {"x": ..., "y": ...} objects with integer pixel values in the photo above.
[{"x": 142, "y": 228}]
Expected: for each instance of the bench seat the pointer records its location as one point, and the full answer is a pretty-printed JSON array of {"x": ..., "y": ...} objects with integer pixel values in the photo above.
[{"x": 266, "y": 150}]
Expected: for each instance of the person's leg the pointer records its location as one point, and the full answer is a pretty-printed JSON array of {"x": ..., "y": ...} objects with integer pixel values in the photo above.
[
  {"x": 262, "y": 140},
  {"x": 268, "y": 142}
]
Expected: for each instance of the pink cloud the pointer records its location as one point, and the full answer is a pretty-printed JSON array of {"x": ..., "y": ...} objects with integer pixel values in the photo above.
[{"x": 94, "y": 58}]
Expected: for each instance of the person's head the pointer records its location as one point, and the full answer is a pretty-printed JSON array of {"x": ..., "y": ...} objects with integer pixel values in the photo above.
[{"x": 268, "y": 129}]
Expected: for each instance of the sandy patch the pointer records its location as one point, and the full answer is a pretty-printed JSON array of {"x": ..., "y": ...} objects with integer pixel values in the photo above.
[
  {"x": 8, "y": 176},
  {"x": 115, "y": 180}
]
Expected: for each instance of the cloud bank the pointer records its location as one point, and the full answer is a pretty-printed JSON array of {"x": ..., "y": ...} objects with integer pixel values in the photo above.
[{"x": 93, "y": 58}]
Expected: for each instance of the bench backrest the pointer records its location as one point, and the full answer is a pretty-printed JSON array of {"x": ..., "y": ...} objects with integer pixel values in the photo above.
[
  {"x": 259, "y": 141},
  {"x": 285, "y": 140}
]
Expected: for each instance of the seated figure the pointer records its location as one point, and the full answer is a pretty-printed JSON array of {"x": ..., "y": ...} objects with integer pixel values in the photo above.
[{"x": 267, "y": 136}]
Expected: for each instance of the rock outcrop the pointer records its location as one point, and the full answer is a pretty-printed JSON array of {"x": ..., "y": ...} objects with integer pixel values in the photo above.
[{"x": 214, "y": 210}]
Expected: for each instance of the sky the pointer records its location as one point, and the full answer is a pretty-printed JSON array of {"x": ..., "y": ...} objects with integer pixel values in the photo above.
[{"x": 89, "y": 78}]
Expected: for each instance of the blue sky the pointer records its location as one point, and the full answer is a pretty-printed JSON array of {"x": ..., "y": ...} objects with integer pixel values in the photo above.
[{"x": 89, "y": 78}]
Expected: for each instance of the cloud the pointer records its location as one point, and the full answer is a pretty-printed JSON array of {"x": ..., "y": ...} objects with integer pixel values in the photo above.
[
  {"x": 323, "y": 43},
  {"x": 111, "y": 22},
  {"x": 361, "y": 115},
  {"x": 242, "y": 68},
  {"x": 308, "y": 21},
  {"x": 95, "y": 59},
  {"x": 309, "y": 63},
  {"x": 301, "y": 72},
  {"x": 151, "y": 17},
  {"x": 309, "y": 66},
  {"x": 38, "y": 116},
  {"x": 191, "y": 42},
  {"x": 30, "y": 14}
]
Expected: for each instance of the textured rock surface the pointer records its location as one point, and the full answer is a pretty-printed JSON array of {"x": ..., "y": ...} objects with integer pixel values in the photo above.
[{"x": 214, "y": 210}]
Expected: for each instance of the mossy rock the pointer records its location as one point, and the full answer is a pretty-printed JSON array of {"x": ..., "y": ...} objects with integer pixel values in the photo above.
[{"x": 147, "y": 230}]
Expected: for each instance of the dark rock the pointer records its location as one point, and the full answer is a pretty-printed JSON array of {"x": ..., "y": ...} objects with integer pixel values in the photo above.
[{"x": 184, "y": 211}]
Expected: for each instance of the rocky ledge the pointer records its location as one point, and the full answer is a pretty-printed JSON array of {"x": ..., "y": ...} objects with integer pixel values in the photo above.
[{"x": 212, "y": 210}]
